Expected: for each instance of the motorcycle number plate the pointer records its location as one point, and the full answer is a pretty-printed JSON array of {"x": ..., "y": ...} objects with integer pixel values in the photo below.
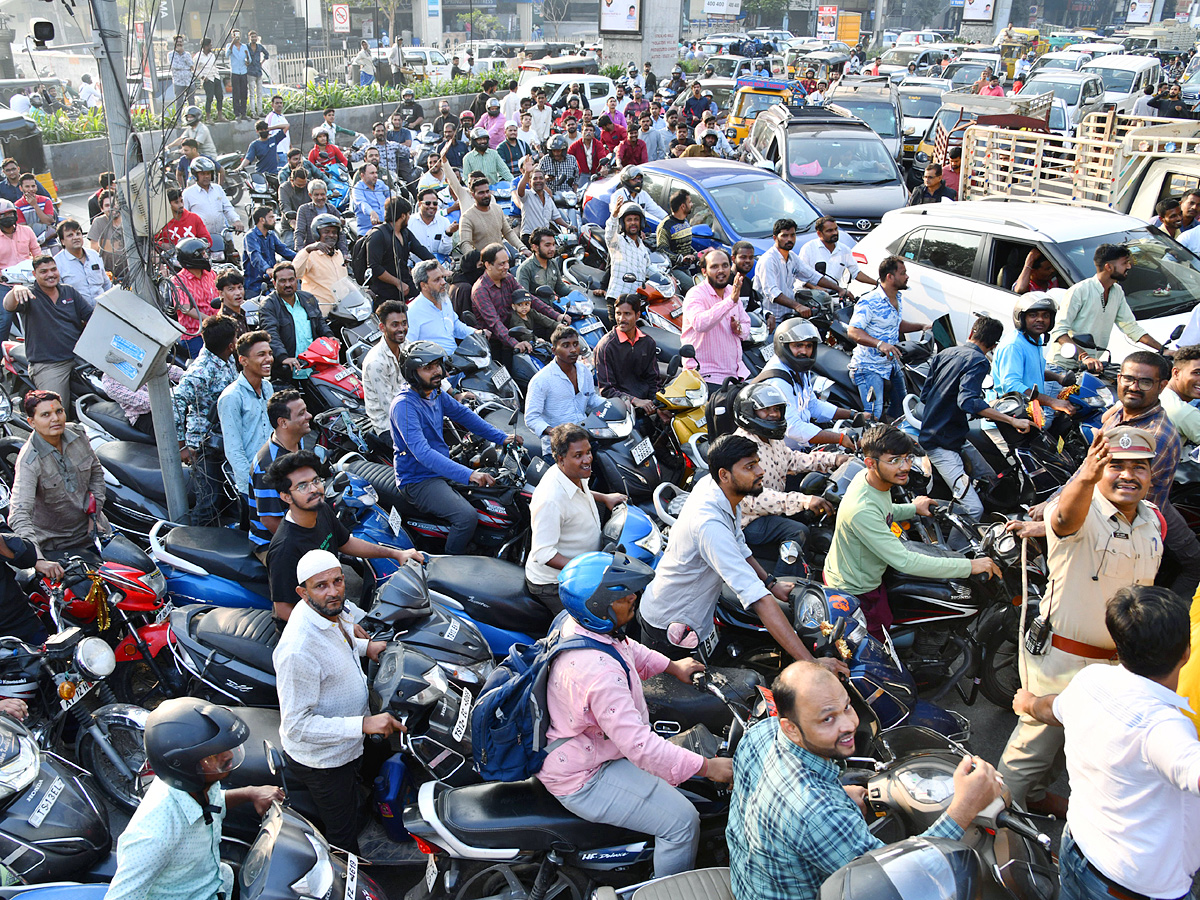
[
  {"x": 642, "y": 452},
  {"x": 702, "y": 421},
  {"x": 396, "y": 521},
  {"x": 351, "y": 876},
  {"x": 5, "y": 495},
  {"x": 501, "y": 377},
  {"x": 464, "y": 716},
  {"x": 431, "y": 873},
  {"x": 588, "y": 329},
  {"x": 81, "y": 690},
  {"x": 46, "y": 803}
]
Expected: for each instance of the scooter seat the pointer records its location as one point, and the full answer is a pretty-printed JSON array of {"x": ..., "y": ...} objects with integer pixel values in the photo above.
[
  {"x": 589, "y": 276},
  {"x": 248, "y": 635},
  {"x": 109, "y": 416},
  {"x": 522, "y": 814},
  {"x": 383, "y": 479},
  {"x": 833, "y": 364},
  {"x": 19, "y": 357},
  {"x": 134, "y": 465},
  {"x": 492, "y": 591},
  {"x": 699, "y": 884},
  {"x": 222, "y": 552}
]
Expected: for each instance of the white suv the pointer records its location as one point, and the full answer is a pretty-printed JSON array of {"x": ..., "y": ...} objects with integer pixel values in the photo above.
[{"x": 962, "y": 259}]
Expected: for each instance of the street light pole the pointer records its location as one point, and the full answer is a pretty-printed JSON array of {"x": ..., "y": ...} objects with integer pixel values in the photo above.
[{"x": 110, "y": 58}]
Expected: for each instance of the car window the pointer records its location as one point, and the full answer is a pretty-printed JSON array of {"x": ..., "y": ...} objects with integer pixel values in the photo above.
[
  {"x": 846, "y": 160},
  {"x": 1177, "y": 184},
  {"x": 910, "y": 247},
  {"x": 1008, "y": 259},
  {"x": 438, "y": 58},
  {"x": 1163, "y": 280},
  {"x": 752, "y": 205},
  {"x": 658, "y": 187},
  {"x": 759, "y": 132},
  {"x": 702, "y": 213},
  {"x": 952, "y": 252},
  {"x": 879, "y": 114},
  {"x": 597, "y": 89}
]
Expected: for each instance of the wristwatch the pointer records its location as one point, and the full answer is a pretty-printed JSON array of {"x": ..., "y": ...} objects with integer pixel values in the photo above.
[{"x": 770, "y": 582}]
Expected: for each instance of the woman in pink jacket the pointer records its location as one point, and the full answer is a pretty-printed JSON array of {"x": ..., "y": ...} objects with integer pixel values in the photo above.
[{"x": 605, "y": 763}]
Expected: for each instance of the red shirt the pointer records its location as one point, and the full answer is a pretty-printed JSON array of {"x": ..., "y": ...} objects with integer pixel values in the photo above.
[
  {"x": 580, "y": 153},
  {"x": 632, "y": 154},
  {"x": 576, "y": 114},
  {"x": 610, "y": 139},
  {"x": 323, "y": 156},
  {"x": 203, "y": 290},
  {"x": 28, "y": 214},
  {"x": 189, "y": 225}
]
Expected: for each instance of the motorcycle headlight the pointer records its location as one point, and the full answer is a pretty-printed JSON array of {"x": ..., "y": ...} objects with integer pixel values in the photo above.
[
  {"x": 157, "y": 582},
  {"x": 697, "y": 396},
  {"x": 95, "y": 658},
  {"x": 5, "y": 408},
  {"x": 368, "y": 496},
  {"x": 438, "y": 686},
  {"x": 580, "y": 308},
  {"x": 317, "y": 881},
  {"x": 20, "y": 760},
  {"x": 1106, "y": 395},
  {"x": 652, "y": 543},
  {"x": 502, "y": 193},
  {"x": 616, "y": 524},
  {"x": 758, "y": 334},
  {"x": 474, "y": 674}
]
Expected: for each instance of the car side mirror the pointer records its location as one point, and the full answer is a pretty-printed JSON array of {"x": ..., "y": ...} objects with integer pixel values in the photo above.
[
  {"x": 704, "y": 231},
  {"x": 789, "y": 552}
]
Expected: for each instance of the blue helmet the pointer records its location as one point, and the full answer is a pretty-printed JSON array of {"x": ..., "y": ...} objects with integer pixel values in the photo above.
[{"x": 589, "y": 583}]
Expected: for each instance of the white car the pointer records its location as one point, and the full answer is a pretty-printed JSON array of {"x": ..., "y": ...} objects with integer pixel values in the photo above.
[
  {"x": 962, "y": 259},
  {"x": 1063, "y": 59},
  {"x": 1125, "y": 77},
  {"x": 1082, "y": 92},
  {"x": 598, "y": 88},
  {"x": 428, "y": 62}
]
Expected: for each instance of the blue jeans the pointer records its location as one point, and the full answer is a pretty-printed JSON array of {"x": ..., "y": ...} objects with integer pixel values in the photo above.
[
  {"x": 1077, "y": 881},
  {"x": 6, "y": 317},
  {"x": 896, "y": 387}
]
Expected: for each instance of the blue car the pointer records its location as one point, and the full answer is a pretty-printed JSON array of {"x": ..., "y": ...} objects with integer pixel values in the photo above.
[{"x": 738, "y": 202}]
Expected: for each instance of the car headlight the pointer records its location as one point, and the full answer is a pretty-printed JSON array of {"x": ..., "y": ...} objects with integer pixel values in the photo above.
[
  {"x": 697, "y": 396},
  {"x": 95, "y": 658},
  {"x": 317, "y": 881}
]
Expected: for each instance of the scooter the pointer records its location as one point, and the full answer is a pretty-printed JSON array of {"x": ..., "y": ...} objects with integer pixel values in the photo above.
[
  {"x": 473, "y": 369},
  {"x": 324, "y": 381}
]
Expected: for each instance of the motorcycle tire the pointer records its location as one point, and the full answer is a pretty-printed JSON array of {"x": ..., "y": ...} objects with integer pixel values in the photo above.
[
  {"x": 135, "y": 682},
  {"x": 515, "y": 883},
  {"x": 999, "y": 675},
  {"x": 129, "y": 743},
  {"x": 235, "y": 192}
]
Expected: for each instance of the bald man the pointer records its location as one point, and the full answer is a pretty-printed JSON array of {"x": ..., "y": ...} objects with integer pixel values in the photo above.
[{"x": 791, "y": 822}]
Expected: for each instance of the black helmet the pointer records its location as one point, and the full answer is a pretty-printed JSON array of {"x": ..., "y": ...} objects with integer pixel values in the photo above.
[
  {"x": 417, "y": 355},
  {"x": 914, "y": 869},
  {"x": 709, "y": 70},
  {"x": 795, "y": 331},
  {"x": 630, "y": 174},
  {"x": 408, "y": 94},
  {"x": 181, "y": 733},
  {"x": 751, "y": 399},
  {"x": 192, "y": 112},
  {"x": 193, "y": 253},
  {"x": 677, "y": 72},
  {"x": 1034, "y": 301},
  {"x": 556, "y": 142}
]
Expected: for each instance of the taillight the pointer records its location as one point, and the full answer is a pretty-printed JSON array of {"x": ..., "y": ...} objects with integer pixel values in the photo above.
[
  {"x": 426, "y": 847},
  {"x": 859, "y": 258}
]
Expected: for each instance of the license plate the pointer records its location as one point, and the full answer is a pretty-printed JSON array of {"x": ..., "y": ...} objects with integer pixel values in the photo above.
[
  {"x": 396, "y": 521},
  {"x": 464, "y": 716},
  {"x": 5, "y": 494},
  {"x": 351, "y": 876},
  {"x": 642, "y": 451},
  {"x": 702, "y": 421},
  {"x": 588, "y": 329},
  {"x": 47, "y": 802},
  {"x": 431, "y": 873},
  {"x": 81, "y": 690},
  {"x": 501, "y": 377}
]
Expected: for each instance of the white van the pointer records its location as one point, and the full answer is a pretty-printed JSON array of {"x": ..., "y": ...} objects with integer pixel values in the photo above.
[{"x": 1124, "y": 78}]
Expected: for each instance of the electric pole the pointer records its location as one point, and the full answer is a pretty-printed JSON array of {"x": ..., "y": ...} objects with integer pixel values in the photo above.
[{"x": 109, "y": 44}]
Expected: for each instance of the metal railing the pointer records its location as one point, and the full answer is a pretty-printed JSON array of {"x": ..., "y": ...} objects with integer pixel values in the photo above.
[{"x": 331, "y": 65}]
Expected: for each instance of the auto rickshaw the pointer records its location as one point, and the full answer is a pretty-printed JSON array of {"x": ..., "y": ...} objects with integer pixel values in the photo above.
[
  {"x": 752, "y": 96},
  {"x": 823, "y": 63}
]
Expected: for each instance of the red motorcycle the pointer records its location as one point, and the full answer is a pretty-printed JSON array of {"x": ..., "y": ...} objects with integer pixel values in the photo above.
[{"x": 324, "y": 381}]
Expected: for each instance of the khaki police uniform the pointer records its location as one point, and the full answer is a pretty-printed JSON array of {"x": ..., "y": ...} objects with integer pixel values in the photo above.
[{"x": 1086, "y": 569}]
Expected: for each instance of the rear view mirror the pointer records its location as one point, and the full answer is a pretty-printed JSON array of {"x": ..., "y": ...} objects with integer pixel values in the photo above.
[
  {"x": 1177, "y": 333},
  {"x": 789, "y": 552},
  {"x": 682, "y": 636},
  {"x": 687, "y": 351},
  {"x": 704, "y": 231},
  {"x": 943, "y": 333},
  {"x": 1086, "y": 341}
]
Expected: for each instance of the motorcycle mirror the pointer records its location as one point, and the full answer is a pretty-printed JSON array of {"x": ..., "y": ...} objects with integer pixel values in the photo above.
[
  {"x": 821, "y": 267},
  {"x": 962, "y": 484},
  {"x": 687, "y": 351},
  {"x": 789, "y": 552},
  {"x": 545, "y": 293},
  {"x": 1086, "y": 341},
  {"x": 859, "y": 421},
  {"x": 871, "y": 394},
  {"x": 630, "y": 278},
  {"x": 813, "y": 483},
  {"x": 276, "y": 766},
  {"x": 1176, "y": 334},
  {"x": 683, "y": 636}
]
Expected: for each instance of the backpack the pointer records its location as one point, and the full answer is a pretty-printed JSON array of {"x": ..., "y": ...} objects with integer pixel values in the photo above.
[
  {"x": 719, "y": 409},
  {"x": 510, "y": 718},
  {"x": 358, "y": 254}
]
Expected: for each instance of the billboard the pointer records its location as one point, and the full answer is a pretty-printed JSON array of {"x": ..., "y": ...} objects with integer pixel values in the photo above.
[
  {"x": 1139, "y": 12},
  {"x": 722, "y": 7},
  {"x": 621, "y": 16},
  {"x": 979, "y": 10},
  {"x": 827, "y": 23}
]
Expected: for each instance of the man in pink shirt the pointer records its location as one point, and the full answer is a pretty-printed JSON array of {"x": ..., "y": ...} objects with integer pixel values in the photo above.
[
  {"x": 714, "y": 321},
  {"x": 605, "y": 763},
  {"x": 993, "y": 88},
  {"x": 17, "y": 244}
]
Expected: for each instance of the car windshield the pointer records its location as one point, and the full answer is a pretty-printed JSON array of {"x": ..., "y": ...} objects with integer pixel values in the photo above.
[
  {"x": 1051, "y": 63},
  {"x": 1119, "y": 81},
  {"x": 813, "y": 160},
  {"x": 898, "y": 56},
  {"x": 961, "y": 74},
  {"x": 879, "y": 114},
  {"x": 920, "y": 106},
  {"x": 1163, "y": 280},
  {"x": 1063, "y": 90},
  {"x": 950, "y": 116},
  {"x": 751, "y": 206},
  {"x": 723, "y": 97},
  {"x": 750, "y": 105},
  {"x": 724, "y": 66}
]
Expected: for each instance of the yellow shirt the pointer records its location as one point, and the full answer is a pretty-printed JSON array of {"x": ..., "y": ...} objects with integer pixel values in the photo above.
[
  {"x": 1189, "y": 678},
  {"x": 320, "y": 272}
]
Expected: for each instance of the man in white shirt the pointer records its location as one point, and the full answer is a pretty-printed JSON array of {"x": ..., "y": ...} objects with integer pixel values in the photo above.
[
  {"x": 1132, "y": 757},
  {"x": 432, "y": 230},
  {"x": 779, "y": 270},
  {"x": 88, "y": 92},
  {"x": 1181, "y": 390},
  {"x": 542, "y": 117},
  {"x": 210, "y": 202},
  {"x": 526, "y": 133},
  {"x": 563, "y": 517},
  {"x": 431, "y": 315},
  {"x": 838, "y": 258},
  {"x": 276, "y": 119},
  {"x": 563, "y": 392},
  {"x": 510, "y": 106},
  {"x": 381, "y": 377},
  {"x": 323, "y": 705}
]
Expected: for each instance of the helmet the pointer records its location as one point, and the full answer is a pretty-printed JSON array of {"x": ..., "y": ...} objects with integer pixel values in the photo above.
[
  {"x": 467, "y": 114},
  {"x": 795, "y": 331},
  {"x": 677, "y": 72},
  {"x": 706, "y": 93},
  {"x": 325, "y": 220},
  {"x": 408, "y": 94},
  {"x": 202, "y": 164},
  {"x": 709, "y": 133},
  {"x": 631, "y": 208},
  {"x": 752, "y": 398},
  {"x": 192, "y": 112},
  {"x": 37, "y": 101},
  {"x": 630, "y": 174},
  {"x": 917, "y": 867},
  {"x": 709, "y": 69},
  {"x": 193, "y": 253},
  {"x": 1034, "y": 301},
  {"x": 181, "y": 733},
  {"x": 8, "y": 212},
  {"x": 633, "y": 68},
  {"x": 591, "y": 582},
  {"x": 556, "y": 142},
  {"x": 478, "y": 133},
  {"x": 493, "y": 102},
  {"x": 418, "y": 355}
]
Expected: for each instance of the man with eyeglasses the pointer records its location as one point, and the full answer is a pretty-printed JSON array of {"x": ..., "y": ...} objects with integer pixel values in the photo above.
[
  {"x": 864, "y": 545},
  {"x": 310, "y": 524},
  {"x": 933, "y": 190}
]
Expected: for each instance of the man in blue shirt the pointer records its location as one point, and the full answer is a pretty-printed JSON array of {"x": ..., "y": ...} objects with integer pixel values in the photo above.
[
  {"x": 368, "y": 198},
  {"x": 265, "y": 150},
  {"x": 262, "y": 245},
  {"x": 791, "y": 822},
  {"x": 423, "y": 465},
  {"x": 431, "y": 315},
  {"x": 1019, "y": 362},
  {"x": 953, "y": 393},
  {"x": 239, "y": 56},
  {"x": 562, "y": 392}
]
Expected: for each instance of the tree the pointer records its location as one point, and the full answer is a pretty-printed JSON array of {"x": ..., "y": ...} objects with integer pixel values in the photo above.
[
  {"x": 765, "y": 9},
  {"x": 482, "y": 25},
  {"x": 554, "y": 12}
]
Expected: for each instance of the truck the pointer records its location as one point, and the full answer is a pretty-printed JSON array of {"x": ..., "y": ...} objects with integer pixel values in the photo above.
[
  {"x": 1124, "y": 163},
  {"x": 960, "y": 109},
  {"x": 1163, "y": 36}
]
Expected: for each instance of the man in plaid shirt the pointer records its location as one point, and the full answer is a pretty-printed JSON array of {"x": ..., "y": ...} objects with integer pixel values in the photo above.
[
  {"x": 561, "y": 168},
  {"x": 195, "y": 400},
  {"x": 628, "y": 255},
  {"x": 791, "y": 822}
]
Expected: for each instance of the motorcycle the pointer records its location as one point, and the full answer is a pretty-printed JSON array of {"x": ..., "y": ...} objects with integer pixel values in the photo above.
[
  {"x": 351, "y": 318},
  {"x": 324, "y": 381},
  {"x": 473, "y": 369}
]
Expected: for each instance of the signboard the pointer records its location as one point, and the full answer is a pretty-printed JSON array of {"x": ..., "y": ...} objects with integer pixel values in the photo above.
[
  {"x": 621, "y": 16},
  {"x": 979, "y": 10},
  {"x": 660, "y": 43},
  {"x": 341, "y": 18},
  {"x": 722, "y": 7},
  {"x": 1139, "y": 12},
  {"x": 827, "y": 23},
  {"x": 435, "y": 8},
  {"x": 139, "y": 30}
]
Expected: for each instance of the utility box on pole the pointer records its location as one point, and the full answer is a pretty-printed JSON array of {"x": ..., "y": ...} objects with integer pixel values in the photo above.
[{"x": 126, "y": 340}]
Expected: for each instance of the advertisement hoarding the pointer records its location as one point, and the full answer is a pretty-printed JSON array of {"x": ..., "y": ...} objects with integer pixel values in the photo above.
[{"x": 621, "y": 16}]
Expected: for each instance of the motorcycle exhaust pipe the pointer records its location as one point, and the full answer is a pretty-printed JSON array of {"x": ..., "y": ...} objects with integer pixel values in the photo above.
[{"x": 968, "y": 664}]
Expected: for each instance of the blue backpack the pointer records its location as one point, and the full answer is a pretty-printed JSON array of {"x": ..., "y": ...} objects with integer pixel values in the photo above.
[{"x": 510, "y": 718}]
